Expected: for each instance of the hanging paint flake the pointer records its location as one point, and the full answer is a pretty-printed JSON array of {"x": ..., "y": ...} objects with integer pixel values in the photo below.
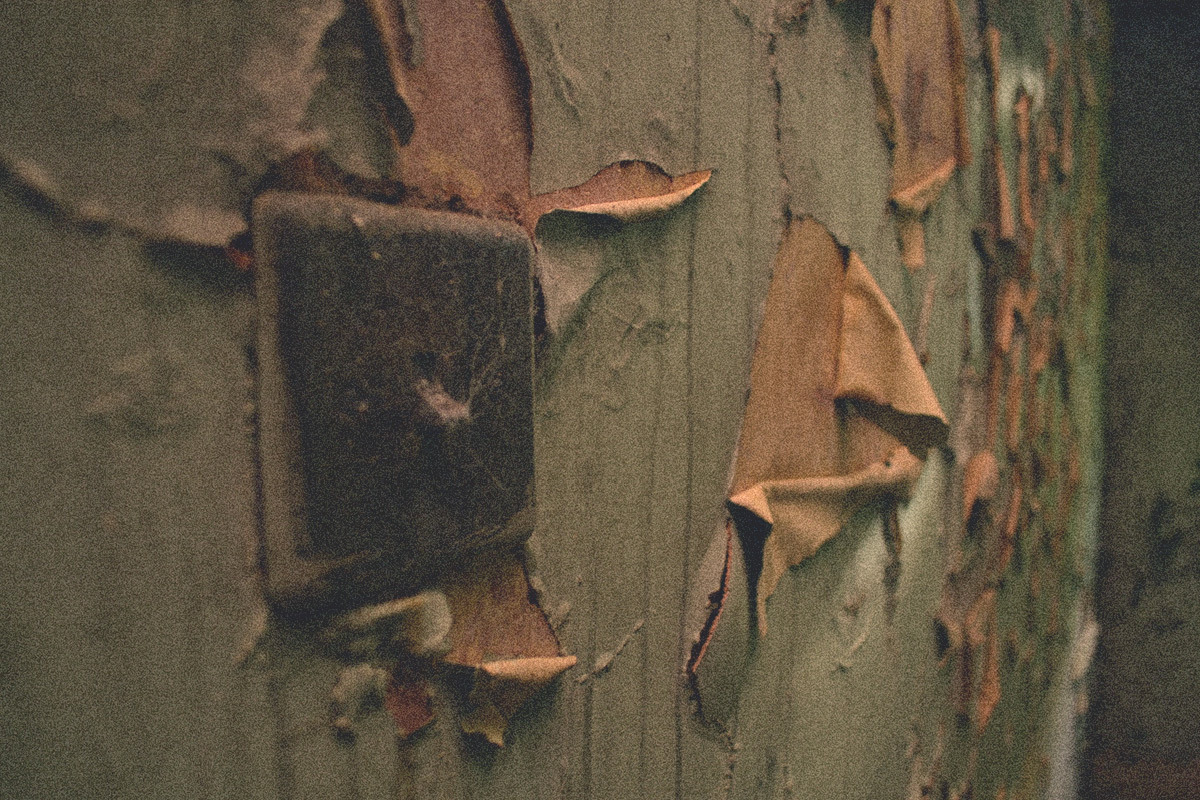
[
  {"x": 840, "y": 412},
  {"x": 997, "y": 190},
  {"x": 920, "y": 80},
  {"x": 627, "y": 191},
  {"x": 840, "y": 416}
]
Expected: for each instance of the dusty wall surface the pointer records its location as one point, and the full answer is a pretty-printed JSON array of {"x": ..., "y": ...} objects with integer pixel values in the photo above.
[
  {"x": 1144, "y": 728},
  {"x": 127, "y": 384}
]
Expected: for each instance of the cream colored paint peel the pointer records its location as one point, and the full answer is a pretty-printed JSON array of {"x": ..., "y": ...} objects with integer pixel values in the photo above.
[
  {"x": 504, "y": 638},
  {"x": 627, "y": 191}
]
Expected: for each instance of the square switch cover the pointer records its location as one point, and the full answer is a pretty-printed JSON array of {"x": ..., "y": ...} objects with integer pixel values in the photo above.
[{"x": 395, "y": 374}]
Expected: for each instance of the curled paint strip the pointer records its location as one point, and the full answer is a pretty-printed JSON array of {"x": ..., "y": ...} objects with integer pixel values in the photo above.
[{"x": 628, "y": 191}]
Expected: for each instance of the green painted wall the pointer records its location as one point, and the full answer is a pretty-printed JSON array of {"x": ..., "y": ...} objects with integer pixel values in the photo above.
[{"x": 129, "y": 495}]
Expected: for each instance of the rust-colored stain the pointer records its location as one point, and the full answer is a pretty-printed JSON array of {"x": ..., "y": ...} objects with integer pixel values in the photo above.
[{"x": 409, "y": 702}]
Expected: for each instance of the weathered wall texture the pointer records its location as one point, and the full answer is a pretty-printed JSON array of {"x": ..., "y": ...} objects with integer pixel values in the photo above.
[
  {"x": 1145, "y": 730},
  {"x": 129, "y": 488}
]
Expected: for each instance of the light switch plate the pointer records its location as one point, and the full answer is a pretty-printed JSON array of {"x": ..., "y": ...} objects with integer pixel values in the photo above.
[{"x": 395, "y": 360}]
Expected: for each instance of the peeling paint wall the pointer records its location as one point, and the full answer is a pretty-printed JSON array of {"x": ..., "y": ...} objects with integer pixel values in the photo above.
[{"x": 130, "y": 475}]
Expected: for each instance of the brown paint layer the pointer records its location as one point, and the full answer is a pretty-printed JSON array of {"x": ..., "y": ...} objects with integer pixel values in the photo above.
[
  {"x": 1024, "y": 187},
  {"x": 980, "y": 482},
  {"x": 469, "y": 98},
  {"x": 493, "y": 616},
  {"x": 1005, "y": 221},
  {"x": 989, "y": 681},
  {"x": 1014, "y": 404}
]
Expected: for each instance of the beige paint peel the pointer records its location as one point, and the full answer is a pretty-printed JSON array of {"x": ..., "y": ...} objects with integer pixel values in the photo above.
[
  {"x": 838, "y": 403},
  {"x": 627, "y": 191},
  {"x": 504, "y": 638},
  {"x": 920, "y": 78},
  {"x": 503, "y": 686},
  {"x": 486, "y": 624}
]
